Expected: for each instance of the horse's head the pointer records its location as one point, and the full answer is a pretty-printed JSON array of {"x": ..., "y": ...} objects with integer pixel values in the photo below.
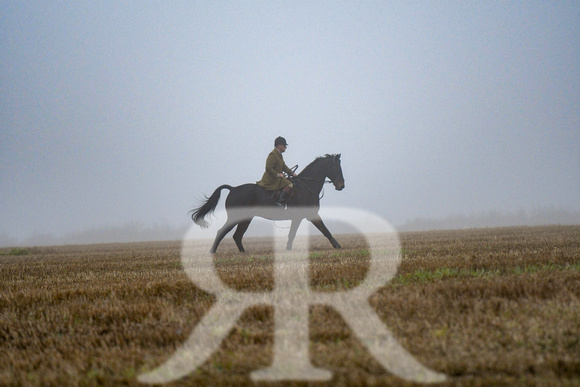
[{"x": 335, "y": 172}]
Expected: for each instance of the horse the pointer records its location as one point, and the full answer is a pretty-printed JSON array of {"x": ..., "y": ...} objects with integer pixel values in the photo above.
[{"x": 246, "y": 201}]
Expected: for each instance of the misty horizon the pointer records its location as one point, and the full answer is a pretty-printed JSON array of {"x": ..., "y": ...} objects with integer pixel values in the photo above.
[{"x": 140, "y": 232}]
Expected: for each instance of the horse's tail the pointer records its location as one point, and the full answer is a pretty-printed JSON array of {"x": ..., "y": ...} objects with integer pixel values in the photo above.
[{"x": 208, "y": 207}]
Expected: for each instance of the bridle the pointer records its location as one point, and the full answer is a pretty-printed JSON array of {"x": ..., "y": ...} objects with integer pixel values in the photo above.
[{"x": 323, "y": 180}]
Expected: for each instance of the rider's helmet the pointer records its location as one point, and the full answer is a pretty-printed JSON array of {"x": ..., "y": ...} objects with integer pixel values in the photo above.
[{"x": 280, "y": 141}]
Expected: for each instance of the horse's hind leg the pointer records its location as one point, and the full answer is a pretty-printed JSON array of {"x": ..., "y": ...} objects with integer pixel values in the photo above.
[
  {"x": 222, "y": 232},
  {"x": 239, "y": 234}
]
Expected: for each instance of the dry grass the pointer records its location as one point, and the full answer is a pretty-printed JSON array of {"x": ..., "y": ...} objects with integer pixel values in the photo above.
[{"x": 485, "y": 307}]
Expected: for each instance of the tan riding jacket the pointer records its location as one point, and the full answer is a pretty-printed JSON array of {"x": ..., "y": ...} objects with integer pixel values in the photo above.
[{"x": 274, "y": 165}]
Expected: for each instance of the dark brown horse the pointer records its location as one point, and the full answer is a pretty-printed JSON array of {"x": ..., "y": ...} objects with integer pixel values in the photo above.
[{"x": 249, "y": 200}]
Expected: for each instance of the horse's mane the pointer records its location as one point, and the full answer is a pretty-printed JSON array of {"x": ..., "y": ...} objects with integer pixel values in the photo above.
[
  {"x": 326, "y": 156},
  {"x": 316, "y": 161}
]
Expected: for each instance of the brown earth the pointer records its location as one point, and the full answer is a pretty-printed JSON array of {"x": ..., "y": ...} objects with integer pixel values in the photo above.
[{"x": 485, "y": 307}]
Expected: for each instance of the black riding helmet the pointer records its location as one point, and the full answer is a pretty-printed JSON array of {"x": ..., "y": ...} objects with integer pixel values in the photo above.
[{"x": 280, "y": 141}]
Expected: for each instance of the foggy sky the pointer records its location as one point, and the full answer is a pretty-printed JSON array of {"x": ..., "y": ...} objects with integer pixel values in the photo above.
[{"x": 119, "y": 112}]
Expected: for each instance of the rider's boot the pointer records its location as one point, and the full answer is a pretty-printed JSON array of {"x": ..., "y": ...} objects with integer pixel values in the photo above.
[{"x": 283, "y": 196}]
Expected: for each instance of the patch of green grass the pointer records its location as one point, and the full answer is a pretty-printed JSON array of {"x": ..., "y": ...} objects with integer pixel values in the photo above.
[
  {"x": 546, "y": 267},
  {"x": 427, "y": 276},
  {"x": 16, "y": 251}
]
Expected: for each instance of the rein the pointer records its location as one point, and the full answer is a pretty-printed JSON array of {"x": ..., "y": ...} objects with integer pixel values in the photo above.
[{"x": 298, "y": 178}]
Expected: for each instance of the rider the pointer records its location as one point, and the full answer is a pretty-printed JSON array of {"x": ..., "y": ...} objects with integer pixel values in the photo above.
[{"x": 273, "y": 179}]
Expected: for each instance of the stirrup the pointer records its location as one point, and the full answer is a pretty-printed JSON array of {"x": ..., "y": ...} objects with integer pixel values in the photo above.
[{"x": 281, "y": 202}]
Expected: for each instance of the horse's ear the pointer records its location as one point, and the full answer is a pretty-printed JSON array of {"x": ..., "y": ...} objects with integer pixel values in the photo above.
[{"x": 338, "y": 156}]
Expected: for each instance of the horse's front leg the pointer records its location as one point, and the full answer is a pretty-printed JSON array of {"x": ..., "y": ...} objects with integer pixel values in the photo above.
[
  {"x": 292, "y": 234},
  {"x": 319, "y": 224}
]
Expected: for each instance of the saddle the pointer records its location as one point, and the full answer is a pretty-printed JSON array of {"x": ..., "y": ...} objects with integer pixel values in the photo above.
[{"x": 275, "y": 195}]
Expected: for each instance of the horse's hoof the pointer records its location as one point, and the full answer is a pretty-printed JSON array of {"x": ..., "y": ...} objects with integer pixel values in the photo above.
[{"x": 335, "y": 244}]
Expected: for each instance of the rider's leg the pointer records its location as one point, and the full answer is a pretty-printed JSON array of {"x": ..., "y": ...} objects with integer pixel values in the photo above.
[{"x": 284, "y": 195}]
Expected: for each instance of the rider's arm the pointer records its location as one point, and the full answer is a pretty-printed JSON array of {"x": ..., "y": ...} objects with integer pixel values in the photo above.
[{"x": 270, "y": 163}]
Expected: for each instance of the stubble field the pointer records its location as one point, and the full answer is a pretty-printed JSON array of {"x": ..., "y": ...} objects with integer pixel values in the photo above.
[{"x": 485, "y": 307}]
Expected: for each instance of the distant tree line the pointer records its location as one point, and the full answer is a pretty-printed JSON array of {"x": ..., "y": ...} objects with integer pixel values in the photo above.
[
  {"x": 535, "y": 217},
  {"x": 138, "y": 232},
  {"x": 132, "y": 232}
]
